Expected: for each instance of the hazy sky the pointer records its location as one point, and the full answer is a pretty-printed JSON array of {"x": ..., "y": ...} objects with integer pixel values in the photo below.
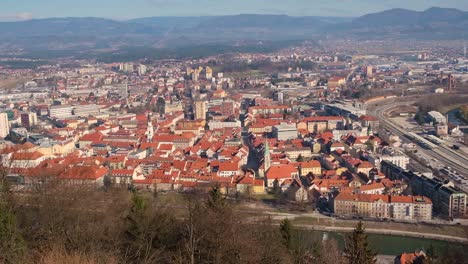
[{"x": 122, "y": 9}]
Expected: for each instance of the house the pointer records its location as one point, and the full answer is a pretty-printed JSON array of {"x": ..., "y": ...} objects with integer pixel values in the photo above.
[
  {"x": 325, "y": 186},
  {"x": 411, "y": 258},
  {"x": 312, "y": 166},
  {"x": 117, "y": 162},
  {"x": 280, "y": 173},
  {"x": 248, "y": 183},
  {"x": 122, "y": 176},
  {"x": 88, "y": 175},
  {"x": 228, "y": 169},
  {"x": 297, "y": 192},
  {"x": 364, "y": 167},
  {"x": 383, "y": 206},
  {"x": 24, "y": 160},
  {"x": 89, "y": 139},
  {"x": 373, "y": 188}
]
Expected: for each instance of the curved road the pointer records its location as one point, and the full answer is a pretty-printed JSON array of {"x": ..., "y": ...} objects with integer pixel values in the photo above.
[{"x": 452, "y": 158}]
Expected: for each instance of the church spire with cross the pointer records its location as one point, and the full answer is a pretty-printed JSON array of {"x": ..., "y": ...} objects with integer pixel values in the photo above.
[
  {"x": 149, "y": 129},
  {"x": 267, "y": 156}
]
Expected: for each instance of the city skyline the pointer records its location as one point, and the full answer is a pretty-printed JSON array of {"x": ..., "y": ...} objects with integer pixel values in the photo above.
[{"x": 121, "y": 10}]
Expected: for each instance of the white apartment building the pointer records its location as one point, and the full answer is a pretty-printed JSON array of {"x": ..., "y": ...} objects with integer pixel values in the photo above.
[
  {"x": 4, "y": 125},
  {"x": 285, "y": 131}
]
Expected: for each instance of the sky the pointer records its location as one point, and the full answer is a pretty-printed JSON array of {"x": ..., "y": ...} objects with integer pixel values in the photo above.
[{"x": 12, "y": 10}]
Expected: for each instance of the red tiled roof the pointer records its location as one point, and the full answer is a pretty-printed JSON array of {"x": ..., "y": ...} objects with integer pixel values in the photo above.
[
  {"x": 281, "y": 171},
  {"x": 310, "y": 164},
  {"x": 84, "y": 173},
  {"x": 228, "y": 166},
  {"x": 368, "y": 118},
  {"x": 93, "y": 137},
  {"x": 26, "y": 155},
  {"x": 322, "y": 118}
]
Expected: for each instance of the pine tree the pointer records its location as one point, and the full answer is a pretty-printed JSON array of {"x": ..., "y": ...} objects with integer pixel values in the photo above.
[
  {"x": 357, "y": 248},
  {"x": 431, "y": 257},
  {"x": 286, "y": 233},
  {"x": 216, "y": 200},
  {"x": 300, "y": 158}
]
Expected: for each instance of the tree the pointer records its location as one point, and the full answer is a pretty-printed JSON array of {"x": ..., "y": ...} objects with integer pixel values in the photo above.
[
  {"x": 151, "y": 234},
  {"x": 276, "y": 188},
  {"x": 216, "y": 200},
  {"x": 300, "y": 158},
  {"x": 331, "y": 253},
  {"x": 12, "y": 246},
  {"x": 431, "y": 257},
  {"x": 357, "y": 249},
  {"x": 286, "y": 233}
]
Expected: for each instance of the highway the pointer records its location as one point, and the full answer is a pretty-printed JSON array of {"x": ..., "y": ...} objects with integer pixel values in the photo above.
[{"x": 456, "y": 160}]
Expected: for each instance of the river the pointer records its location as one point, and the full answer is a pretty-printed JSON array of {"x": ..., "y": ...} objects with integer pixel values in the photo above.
[{"x": 392, "y": 245}]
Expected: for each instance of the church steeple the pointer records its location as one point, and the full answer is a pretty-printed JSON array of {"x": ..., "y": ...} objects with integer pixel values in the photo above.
[
  {"x": 149, "y": 129},
  {"x": 266, "y": 156}
]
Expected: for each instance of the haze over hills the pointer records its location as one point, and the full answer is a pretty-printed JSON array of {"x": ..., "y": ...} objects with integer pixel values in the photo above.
[{"x": 170, "y": 32}]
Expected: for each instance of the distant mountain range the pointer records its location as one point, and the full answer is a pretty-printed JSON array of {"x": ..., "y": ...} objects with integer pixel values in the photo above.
[{"x": 81, "y": 34}]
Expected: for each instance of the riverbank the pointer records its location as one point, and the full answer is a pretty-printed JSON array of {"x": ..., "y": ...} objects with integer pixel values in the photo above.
[{"x": 387, "y": 232}]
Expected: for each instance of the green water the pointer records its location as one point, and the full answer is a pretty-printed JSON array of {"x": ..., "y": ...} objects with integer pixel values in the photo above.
[{"x": 392, "y": 245}]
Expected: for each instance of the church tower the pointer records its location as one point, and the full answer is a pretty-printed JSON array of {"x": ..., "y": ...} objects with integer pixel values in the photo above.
[
  {"x": 149, "y": 130},
  {"x": 267, "y": 156}
]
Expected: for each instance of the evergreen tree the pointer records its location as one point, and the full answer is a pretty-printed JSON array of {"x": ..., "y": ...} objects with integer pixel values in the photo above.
[
  {"x": 286, "y": 233},
  {"x": 300, "y": 158},
  {"x": 431, "y": 257},
  {"x": 276, "y": 188},
  {"x": 216, "y": 201},
  {"x": 357, "y": 248}
]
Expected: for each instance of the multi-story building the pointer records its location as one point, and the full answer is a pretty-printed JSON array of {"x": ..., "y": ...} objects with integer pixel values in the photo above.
[
  {"x": 126, "y": 67},
  {"x": 312, "y": 166},
  {"x": 285, "y": 131},
  {"x": 4, "y": 125},
  {"x": 383, "y": 206},
  {"x": 208, "y": 73},
  {"x": 449, "y": 201},
  {"x": 226, "y": 124},
  {"x": 369, "y": 71},
  {"x": 319, "y": 124},
  {"x": 142, "y": 69},
  {"x": 176, "y": 106},
  {"x": 200, "y": 110},
  {"x": 391, "y": 155},
  {"x": 195, "y": 75},
  {"x": 28, "y": 119},
  {"x": 268, "y": 109}
]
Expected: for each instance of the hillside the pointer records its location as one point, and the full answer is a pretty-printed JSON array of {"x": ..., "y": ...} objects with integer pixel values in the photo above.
[{"x": 89, "y": 33}]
